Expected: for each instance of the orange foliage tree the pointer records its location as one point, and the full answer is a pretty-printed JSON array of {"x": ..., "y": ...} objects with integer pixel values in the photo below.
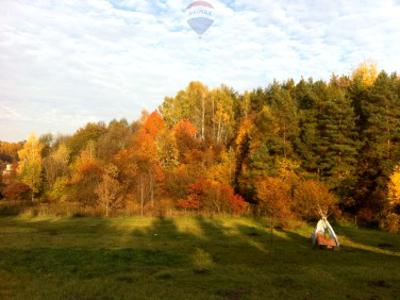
[
  {"x": 85, "y": 177},
  {"x": 274, "y": 200},
  {"x": 139, "y": 165},
  {"x": 185, "y": 136},
  {"x": 312, "y": 198}
]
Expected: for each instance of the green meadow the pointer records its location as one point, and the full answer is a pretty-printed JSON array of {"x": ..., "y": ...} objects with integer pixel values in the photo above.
[{"x": 190, "y": 258}]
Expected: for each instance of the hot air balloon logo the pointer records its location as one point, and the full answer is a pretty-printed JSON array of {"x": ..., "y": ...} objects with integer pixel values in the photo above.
[{"x": 200, "y": 16}]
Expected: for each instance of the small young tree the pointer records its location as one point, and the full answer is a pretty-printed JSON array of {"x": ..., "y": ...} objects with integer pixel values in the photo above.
[
  {"x": 30, "y": 164},
  {"x": 86, "y": 174},
  {"x": 56, "y": 164},
  {"x": 109, "y": 190},
  {"x": 394, "y": 189},
  {"x": 391, "y": 218},
  {"x": 311, "y": 199},
  {"x": 273, "y": 195}
]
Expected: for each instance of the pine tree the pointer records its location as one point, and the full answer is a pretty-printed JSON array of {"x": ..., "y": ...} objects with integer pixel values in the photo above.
[
  {"x": 338, "y": 137},
  {"x": 380, "y": 136},
  {"x": 308, "y": 145}
]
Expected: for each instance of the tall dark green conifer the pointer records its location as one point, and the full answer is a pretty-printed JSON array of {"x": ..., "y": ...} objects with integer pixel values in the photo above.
[
  {"x": 338, "y": 138},
  {"x": 328, "y": 138},
  {"x": 308, "y": 145},
  {"x": 380, "y": 136}
]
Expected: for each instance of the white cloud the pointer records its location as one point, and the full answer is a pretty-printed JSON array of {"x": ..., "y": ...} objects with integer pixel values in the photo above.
[{"x": 64, "y": 63}]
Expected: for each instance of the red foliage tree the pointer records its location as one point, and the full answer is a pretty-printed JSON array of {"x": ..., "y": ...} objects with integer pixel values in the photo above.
[
  {"x": 16, "y": 191},
  {"x": 192, "y": 202},
  {"x": 237, "y": 204},
  {"x": 212, "y": 196}
]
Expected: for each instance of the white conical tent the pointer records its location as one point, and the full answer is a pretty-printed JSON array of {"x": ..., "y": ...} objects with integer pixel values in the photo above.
[{"x": 323, "y": 226}]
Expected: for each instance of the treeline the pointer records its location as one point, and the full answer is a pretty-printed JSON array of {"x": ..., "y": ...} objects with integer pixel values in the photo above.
[{"x": 290, "y": 150}]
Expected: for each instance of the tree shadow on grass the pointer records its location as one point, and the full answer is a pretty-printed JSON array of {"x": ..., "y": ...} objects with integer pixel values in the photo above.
[
  {"x": 240, "y": 260},
  {"x": 245, "y": 261},
  {"x": 370, "y": 239},
  {"x": 294, "y": 264}
]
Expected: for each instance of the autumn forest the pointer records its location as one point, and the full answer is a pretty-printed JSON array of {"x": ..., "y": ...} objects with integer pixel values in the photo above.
[{"x": 290, "y": 150}]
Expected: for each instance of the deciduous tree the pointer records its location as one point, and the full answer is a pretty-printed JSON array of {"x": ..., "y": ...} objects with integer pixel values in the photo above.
[
  {"x": 109, "y": 190},
  {"x": 30, "y": 164}
]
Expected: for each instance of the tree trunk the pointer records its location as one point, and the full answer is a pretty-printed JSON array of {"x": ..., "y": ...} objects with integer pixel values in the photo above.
[
  {"x": 152, "y": 191},
  {"x": 141, "y": 196},
  {"x": 203, "y": 114},
  {"x": 230, "y": 165},
  {"x": 213, "y": 118},
  {"x": 219, "y": 130},
  {"x": 33, "y": 193},
  {"x": 272, "y": 228},
  {"x": 284, "y": 140}
]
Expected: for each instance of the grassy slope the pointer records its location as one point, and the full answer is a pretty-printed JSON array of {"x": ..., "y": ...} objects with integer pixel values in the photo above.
[{"x": 189, "y": 258}]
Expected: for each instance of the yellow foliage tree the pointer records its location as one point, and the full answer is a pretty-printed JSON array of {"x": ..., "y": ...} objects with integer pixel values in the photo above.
[
  {"x": 109, "y": 190},
  {"x": 366, "y": 73},
  {"x": 30, "y": 164},
  {"x": 312, "y": 200},
  {"x": 391, "y": 221},
  {"x": 224, "y": 170},
  {"x": 394, "y": 188}
]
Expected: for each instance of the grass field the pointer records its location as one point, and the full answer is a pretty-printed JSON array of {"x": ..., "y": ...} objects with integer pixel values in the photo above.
[{"x": 190, "y": 258}]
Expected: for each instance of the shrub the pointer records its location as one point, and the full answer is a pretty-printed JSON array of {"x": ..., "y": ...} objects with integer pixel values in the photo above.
[
  {"x": 212, "y": 196},
  {"x": 16, "y": 191},
  {"x": 367, "y": 217},
  {"x": 12, "y": 208},
  {"x": 391, "y": 223},
  {"x": 57, "y": 192},
  {"x": 192, "y": 202}
]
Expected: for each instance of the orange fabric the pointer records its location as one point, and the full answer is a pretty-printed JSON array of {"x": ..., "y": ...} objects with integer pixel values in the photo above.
[{"x": 323, "y": 241}]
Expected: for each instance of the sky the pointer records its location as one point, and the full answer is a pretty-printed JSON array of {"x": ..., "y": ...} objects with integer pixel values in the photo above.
[{"x": 66, "y": 63}]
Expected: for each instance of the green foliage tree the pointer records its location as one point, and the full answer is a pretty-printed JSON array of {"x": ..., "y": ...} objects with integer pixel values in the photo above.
[
  {"x": 190, "y": 104},
  {"x": 79, "y": 140},
  {"x": 338, "y": 137},
  {"x": 116, "y": 137},
  {"x": 380, "y": 136}
]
